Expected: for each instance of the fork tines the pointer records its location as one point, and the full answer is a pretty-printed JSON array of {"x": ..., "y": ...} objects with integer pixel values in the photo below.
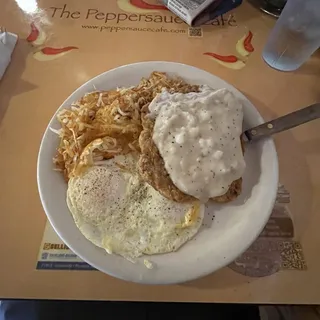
[{"x": 3, "y": 30}]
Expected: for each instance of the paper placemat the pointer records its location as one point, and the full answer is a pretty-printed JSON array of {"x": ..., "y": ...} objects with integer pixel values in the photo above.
[
  {"x": 274, "y": 250},
  {"x": 55, "y": 255}
]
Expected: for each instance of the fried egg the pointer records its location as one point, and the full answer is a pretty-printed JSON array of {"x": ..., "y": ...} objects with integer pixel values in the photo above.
[{"x": 117, "y": 211}]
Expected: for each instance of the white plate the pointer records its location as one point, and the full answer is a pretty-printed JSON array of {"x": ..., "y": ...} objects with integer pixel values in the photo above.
[{"x": 235, "y": 226}]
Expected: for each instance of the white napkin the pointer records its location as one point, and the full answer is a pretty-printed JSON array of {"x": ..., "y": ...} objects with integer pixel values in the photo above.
[{"x": 7, "y": 43}]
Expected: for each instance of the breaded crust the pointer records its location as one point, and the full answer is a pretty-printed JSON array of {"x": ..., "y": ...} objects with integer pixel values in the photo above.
[{"x": 152, "y": 169}]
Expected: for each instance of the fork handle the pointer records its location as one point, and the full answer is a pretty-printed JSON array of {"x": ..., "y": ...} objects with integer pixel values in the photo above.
[{"x": 284, "y": 123}]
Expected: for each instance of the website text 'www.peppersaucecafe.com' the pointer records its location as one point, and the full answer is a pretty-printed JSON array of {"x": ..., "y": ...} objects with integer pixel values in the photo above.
[{"x": 117, "y": 22}]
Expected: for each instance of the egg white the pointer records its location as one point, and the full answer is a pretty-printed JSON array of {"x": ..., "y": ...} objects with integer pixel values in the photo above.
[{"x": 116, "y": 211}]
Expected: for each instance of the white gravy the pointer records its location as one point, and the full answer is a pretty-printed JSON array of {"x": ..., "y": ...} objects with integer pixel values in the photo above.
[{"x": 198, "y": 137}]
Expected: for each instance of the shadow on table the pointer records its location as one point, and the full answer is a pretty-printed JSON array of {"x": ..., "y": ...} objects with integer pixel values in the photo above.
[
  {"x": 224, "y": 278},
  {"x": 312, "y": 66},
  {"x": 11, "y": 84}
]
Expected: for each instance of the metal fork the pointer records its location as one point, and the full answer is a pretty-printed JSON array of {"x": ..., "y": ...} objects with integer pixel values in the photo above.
[{"x": 284, "y": 123}]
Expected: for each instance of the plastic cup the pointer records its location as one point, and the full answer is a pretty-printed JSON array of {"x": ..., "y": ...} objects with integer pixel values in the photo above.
[{"x": 295, "y": 36}]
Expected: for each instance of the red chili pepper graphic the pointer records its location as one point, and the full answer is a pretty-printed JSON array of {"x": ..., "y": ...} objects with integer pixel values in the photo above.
[
  {"x": 247, "y": 42},
  {"x": 34, "y": 34},
  {"x": 229, "y": 59},
  {"x": 144, "y": 5},
  {"x": 244, "y": 46},
  {"x": 231, "y": 62},
  {"x": 53, "y": 51}
]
